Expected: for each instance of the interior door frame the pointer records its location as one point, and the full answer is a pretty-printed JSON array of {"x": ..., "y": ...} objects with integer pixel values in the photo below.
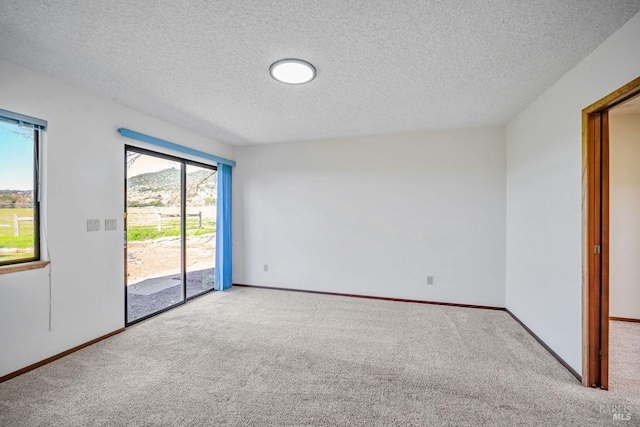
[{"x": 595, "y": 235}]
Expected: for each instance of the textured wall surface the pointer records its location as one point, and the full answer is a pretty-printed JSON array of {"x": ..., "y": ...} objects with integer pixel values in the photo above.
[
  {"x": 84, "y": 178},
  {"x": 544, "y": 194},
  {"x": 375, "y": 216},
  {"x": 624, "y": 236}
]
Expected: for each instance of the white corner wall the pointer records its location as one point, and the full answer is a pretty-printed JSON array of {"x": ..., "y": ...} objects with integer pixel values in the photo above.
[
  {"x": 624, "y": 215},
  {"x": 375, "y": 216},
  {"x": 544, "y": 165},
  {"x": 84, "y": 178}
]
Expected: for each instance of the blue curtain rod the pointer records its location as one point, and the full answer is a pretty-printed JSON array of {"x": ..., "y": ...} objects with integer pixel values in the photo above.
[{"x": 128, "y": 133}]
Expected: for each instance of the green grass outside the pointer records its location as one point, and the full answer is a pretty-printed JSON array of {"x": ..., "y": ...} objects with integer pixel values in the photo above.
[
  {"x": 170, "y": 228},
  {"x": 12, "y": 257},
  {"x": 22, "y": 242},
  {"x": 7, "y": 238}
]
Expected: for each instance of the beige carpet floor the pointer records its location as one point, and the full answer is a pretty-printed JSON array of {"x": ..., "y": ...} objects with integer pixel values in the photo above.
[
  {"x": 264, "y": 357},
  {"x": 624, "y": 358}
]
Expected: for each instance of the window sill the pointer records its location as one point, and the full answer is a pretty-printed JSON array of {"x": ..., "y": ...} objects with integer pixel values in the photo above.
[{"x": 24, "y": 266}]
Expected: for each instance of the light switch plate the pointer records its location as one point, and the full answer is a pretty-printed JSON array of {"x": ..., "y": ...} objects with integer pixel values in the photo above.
[
  {"x": 93, "y": 225},
  {"x": 110, "y": 224}
]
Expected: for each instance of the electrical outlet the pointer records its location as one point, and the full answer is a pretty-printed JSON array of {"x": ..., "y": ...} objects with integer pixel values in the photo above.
[
  {"x": 429, "y": 280},
  {"x": 93, "y": 225},
  {"x": 110, "y": 224},
  {"x": 266, "y": 267}
]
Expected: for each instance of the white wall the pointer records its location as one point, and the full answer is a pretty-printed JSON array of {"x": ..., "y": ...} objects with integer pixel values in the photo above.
[
  {"x": 544, "y": 161},
  {"x": 624, "y": 211},
  {"x": 84, "y": 178},
  {"x": 375, "y": 216}
]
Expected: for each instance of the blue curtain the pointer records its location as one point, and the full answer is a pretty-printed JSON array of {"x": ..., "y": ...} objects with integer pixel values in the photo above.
[{"x": 223, "y": 229}]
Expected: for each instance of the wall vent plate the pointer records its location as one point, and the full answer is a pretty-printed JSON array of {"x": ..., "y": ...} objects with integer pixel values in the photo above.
[
  {"x": 93, "y": 225},
  {"x": 110, "y": 224}
]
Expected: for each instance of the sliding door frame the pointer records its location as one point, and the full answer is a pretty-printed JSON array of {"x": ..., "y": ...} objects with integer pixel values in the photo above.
[
  {"x": 203, "y": 166},
  {"x": 183, "y": 228}
]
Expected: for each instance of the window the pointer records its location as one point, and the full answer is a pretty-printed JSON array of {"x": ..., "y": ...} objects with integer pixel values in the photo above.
[{"x": 19, "y": 191}]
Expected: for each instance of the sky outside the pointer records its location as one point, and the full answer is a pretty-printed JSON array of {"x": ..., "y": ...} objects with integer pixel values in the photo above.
[
  {"x": 149, "y": 164},
  {"x": 16, "y": 157},
  {"x": 146, "y": 164}
]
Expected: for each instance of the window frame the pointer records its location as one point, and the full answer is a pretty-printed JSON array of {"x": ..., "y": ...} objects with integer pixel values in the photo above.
[{"x": 36, "y": 203}]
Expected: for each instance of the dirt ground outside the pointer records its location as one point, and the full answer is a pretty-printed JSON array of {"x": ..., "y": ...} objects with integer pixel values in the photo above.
[{"x": 161, "y": 257}]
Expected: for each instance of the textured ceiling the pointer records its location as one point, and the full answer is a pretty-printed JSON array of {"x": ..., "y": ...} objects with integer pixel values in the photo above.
[{"x": 383, "y": 66}]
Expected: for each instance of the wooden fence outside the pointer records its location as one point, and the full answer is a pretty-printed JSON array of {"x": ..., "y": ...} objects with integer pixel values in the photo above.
[
  {"x": 198, "y": 217},
  {"x": 161, "y": 215},
  {"x": 16, "y": 223}
]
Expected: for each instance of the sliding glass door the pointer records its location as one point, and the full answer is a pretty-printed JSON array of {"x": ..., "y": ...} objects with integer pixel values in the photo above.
[
  {"x": 201, "y": 229},
  {"x": 170, "y": 232}
]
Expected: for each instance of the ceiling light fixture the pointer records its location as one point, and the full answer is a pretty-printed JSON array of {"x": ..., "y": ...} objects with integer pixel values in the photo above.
[{"x": 292, "y": 71}]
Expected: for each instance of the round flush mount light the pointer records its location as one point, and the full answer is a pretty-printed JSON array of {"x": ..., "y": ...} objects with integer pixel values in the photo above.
[{"x": 292, "y": 71}]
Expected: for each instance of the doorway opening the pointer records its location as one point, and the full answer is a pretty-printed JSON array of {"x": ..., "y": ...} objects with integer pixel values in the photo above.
[
  {"x": 596, "y": 234},
  {"x": 170, "y": 231}
]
